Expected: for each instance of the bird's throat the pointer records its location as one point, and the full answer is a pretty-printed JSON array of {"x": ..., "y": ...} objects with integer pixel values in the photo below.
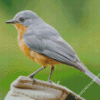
[{"x": 21, "y": 30}]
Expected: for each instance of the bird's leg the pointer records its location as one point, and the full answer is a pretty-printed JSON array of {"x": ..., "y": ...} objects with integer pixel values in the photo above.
[
  {"x": 49, "y": 79},
  {"x": 32, "y": 75}
]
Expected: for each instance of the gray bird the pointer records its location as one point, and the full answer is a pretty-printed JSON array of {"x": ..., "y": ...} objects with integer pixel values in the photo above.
[{"x": 44, "y": 45}]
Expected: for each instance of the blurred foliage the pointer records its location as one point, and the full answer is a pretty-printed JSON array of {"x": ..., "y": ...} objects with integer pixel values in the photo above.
[{"x": 78, "y": 22}]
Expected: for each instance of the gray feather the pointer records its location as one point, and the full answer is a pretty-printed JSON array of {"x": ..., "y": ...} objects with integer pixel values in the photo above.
[{"x": 47, "y": 41}]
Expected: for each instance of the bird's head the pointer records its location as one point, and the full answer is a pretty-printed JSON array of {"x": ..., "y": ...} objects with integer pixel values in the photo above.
[{"x": 25, "y": 18}]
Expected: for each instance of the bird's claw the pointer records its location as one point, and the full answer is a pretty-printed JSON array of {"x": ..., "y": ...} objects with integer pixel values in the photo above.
[
  {"x": 34, "y": 81},
  {"x": 32, "y": 77},
  {"x": 50, "y": 81}
]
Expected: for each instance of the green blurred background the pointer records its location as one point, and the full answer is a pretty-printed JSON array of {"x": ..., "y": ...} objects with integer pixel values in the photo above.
[{"x": 78, "y": 23}]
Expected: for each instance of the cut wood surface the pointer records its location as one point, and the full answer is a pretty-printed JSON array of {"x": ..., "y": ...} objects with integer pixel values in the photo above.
[{"x": 24, "y": 88}]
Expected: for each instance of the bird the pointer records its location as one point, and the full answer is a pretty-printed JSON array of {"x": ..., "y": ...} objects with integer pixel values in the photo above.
[{"x": 44, "y": 45}]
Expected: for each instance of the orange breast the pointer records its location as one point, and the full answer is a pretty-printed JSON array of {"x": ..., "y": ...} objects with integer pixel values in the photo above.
[{"x": 41, "y": 59}]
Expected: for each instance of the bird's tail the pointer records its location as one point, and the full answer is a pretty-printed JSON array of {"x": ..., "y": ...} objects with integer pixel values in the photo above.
[
  {"x": 92, "y": 76},
  {"x": 88, "y": 73}
]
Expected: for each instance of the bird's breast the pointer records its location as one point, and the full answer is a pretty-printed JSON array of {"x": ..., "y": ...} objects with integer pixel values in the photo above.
[{"x": 23, "y": 47}]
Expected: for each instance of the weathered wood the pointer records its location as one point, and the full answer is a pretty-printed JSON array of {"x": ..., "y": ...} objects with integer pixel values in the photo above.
[{"x": 24, "y": 88}]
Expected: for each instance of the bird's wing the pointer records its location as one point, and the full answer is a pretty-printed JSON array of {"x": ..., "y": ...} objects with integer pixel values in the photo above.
[{"x": 49, "y": 43}]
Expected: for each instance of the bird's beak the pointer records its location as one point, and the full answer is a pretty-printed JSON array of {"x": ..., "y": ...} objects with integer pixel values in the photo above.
[{"x": 11, "y": 22}]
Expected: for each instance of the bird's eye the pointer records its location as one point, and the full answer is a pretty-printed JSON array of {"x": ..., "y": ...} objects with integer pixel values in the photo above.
[{"x": 21, "y": 19}]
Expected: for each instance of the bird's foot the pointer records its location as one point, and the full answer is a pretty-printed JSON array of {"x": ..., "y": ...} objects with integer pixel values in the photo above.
[
  {"x": 32, "y": 77},
  {"x": 34, "y": 81},
  {"x": 50, "y": 81}
]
